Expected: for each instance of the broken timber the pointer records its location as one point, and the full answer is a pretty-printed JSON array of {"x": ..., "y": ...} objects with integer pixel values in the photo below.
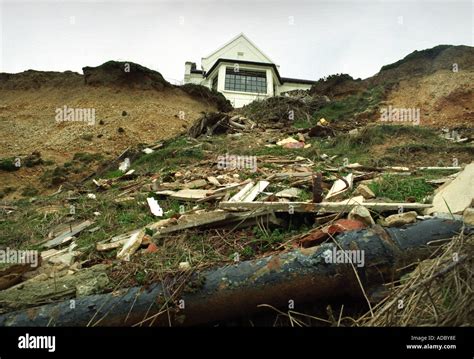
[
  {"x": 250, "y": 192},
  {"x": 217, "y": 219},
  {"x": 67, "y": 235},
  {"x": 328, "y": 207},
  {"x": 301, "y": 275}
]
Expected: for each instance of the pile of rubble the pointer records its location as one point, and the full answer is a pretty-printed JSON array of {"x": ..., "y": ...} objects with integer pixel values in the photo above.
[{"x": 345, "y": 210}]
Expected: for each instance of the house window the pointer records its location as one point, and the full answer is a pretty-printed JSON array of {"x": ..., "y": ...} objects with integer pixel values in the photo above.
[
  {"x": 245, "y": 81},
  {"x": 214, "y": 83}
]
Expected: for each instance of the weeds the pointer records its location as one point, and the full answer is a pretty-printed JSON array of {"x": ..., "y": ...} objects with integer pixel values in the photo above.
[{"x": 402, "y": 189}]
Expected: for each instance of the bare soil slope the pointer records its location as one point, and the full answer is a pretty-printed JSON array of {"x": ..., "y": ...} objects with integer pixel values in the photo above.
[
  {"x": 438, "y": 81},
  {"x": 446, "y": 99},
  {"x": 132, "y": 107}
]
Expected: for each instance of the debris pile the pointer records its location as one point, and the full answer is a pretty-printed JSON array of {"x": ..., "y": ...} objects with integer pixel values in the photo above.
[
  {"x": 305, "y": 196},
  {"x": 240, "y": 192},
  {"x": 218, "y": 123},
  {"x": 284, "y": 108}
]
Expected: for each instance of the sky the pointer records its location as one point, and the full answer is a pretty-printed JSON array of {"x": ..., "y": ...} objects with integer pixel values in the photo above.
[{"x": 308, "y": 39}]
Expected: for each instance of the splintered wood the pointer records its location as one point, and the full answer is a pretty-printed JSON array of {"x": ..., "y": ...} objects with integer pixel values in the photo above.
[
  {"x": 324, "y": 207},
  {"x": 250, "y": 192}
]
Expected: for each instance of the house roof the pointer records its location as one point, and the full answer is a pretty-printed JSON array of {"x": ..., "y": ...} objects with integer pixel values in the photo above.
[
  {"x": 241, "y": 35},
  {"x": 272, "y": 65}
]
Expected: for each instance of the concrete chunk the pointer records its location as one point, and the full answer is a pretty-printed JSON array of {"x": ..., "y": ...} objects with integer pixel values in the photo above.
[
  {"x": 360, "y": 213},
  {"x": 365, "y": 191},
  {"x": 455, "y": 196},
  {"x": 397, "y": 220}
]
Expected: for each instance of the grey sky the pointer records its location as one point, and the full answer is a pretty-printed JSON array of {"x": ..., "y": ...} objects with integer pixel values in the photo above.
[{"x": 354, "y": 37}]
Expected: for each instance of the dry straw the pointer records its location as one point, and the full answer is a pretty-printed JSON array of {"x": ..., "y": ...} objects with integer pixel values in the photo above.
[{"x": 439, "y": 292}]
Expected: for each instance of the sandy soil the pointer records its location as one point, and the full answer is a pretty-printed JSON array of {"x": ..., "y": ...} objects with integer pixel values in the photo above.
[{"x": 445, "y": 98}]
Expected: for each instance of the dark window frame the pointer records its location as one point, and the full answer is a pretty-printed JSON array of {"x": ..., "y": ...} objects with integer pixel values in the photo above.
[{"x": 245, "y": 81}]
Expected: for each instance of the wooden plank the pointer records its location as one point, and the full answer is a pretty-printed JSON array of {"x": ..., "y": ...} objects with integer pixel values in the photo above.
[
  {"x": 255, "y": 191},
  {"x": 185, "y": 194},
  {"x": 216, "y": 218},
  {"x": 190, "y": 194},
  {"x": 285, "y": 175},
  {"x": 199, "y": 183},
  {"x": 131, "y": 245},
  {"x": 195, "y": 220},
  {"x": 162, "y": 223},
  {"x": 165, "y": 192},
  {"x": 211, "y": 197},
  {"x": 112, "y": 245},
  {"x": 242, "y": 193},
  {"x": 283, "y": 161},
  {"x": 67, "y": 235},
  {"x": 120, "y": 237},
  {"x": 440, "y": 168},
  {"x": 328, "y": 207},
  {"x": 229, "y": 187},
  {"x": 14, "y": 274},
  {"x": 116, "y": 242}
]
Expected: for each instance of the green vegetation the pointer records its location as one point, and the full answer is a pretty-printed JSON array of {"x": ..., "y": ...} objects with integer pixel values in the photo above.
[
  {"x": 33, "y": 160},
  {"x": 358, "y": 148},
  {"x": 305, "y": 196},
  {"x": 376, "y": 135},
  {"x": 400, "y": 189},
  {"x": 87, "y": 137},
  {"x": 6, "y": 191},
  {"x": 80, "y": 163},
  {"x": 248, "y": 252},
  {"x": 87, "y": 157},
  {"x": 415, "y": 55},
  {"x": 432, "y": 148},
  {"x": 268, "y": 238},
  {"x": 112, "y": 174},
  {"x": 344, "y": 109},
  {"x": 176, "y": 154},
  {"x": 8, "y": 164},
  {"x": 29, "y": 191}
]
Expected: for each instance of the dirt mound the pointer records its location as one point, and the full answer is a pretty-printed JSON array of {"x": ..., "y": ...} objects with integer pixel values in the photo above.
[
  {"x": 283, "y": 108},
  {"x": 426, "y": 62},
  {"x": 210, "y": 96},
  {"x": 337, "y": 86},
  {"x": 124, "y": 74},
  {"x": 32, "y": 80},
  {"x": 129, "y": 108}
]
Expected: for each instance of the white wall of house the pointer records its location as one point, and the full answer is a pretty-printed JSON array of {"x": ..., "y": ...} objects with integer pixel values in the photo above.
[
  {"x": 240, "y": 50},
  {"x": 194, "y": 79}
]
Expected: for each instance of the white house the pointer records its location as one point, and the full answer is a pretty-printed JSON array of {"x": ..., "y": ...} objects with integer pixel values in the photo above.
[{"x": 242, "y": 73}]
